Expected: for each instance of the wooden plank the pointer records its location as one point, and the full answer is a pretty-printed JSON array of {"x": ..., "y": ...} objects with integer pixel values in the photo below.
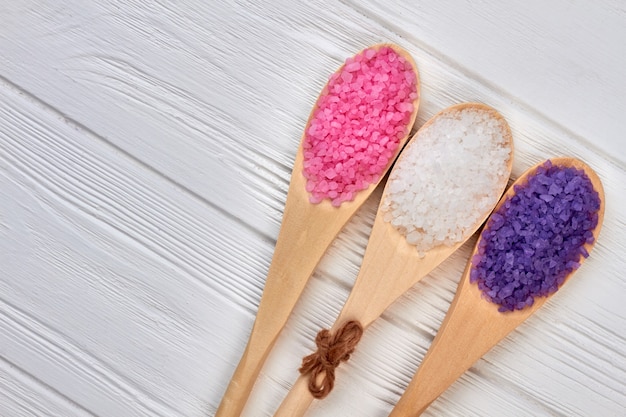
[
  {"x": 24, "y": 395},
  {"x": 204, "y": 122},
  {"x": 113, "y": 277},
  {"x": 560, "y": 58}
]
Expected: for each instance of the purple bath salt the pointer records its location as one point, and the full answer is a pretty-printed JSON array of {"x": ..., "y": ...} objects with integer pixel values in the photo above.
[{"x": 536, "y": 238}]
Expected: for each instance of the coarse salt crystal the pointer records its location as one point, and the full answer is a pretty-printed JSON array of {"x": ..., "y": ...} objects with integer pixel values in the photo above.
[
  {"x": 448, "y": 177},
  {"x": 352, "y": 134},
  {"x": 531, "y": 244}
]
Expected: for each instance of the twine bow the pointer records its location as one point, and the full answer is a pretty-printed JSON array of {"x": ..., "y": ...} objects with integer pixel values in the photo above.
[{"x": 331, "y": 351}]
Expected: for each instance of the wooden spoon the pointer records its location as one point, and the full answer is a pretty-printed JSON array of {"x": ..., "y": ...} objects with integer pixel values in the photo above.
[
  {"x": 306, "y": 232},
  {"x": 390, "y": 267},
  {"x": 474, "y": 325}
]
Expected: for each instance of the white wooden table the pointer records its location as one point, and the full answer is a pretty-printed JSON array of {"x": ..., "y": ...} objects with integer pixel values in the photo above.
[{"x": 145, "y": 153}]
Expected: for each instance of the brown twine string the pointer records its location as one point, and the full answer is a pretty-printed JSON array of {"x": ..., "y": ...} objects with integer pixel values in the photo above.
[{"x": 331, "y": 351}]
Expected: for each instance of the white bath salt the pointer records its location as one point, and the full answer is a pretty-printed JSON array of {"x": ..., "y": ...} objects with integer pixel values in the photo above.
[{"x": 448, "y": 178}]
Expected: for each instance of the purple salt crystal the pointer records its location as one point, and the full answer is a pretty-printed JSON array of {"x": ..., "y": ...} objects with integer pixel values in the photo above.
[
  {"x": 536, "y": 238},
  {"x": 554, "y": 189}
]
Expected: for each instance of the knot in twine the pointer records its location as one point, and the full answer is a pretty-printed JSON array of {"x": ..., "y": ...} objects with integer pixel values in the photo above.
[{"x": 331, "y": 351}]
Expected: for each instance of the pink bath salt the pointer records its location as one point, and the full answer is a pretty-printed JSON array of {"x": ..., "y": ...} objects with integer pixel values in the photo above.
[{"x": 362, "y": 115}]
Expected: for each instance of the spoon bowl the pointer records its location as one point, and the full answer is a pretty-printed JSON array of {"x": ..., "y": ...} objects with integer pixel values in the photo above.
[
  {"x": 390, "y": 267},
  {"x": 473, "y": 325},
  {"x": 306, "y": 232}
]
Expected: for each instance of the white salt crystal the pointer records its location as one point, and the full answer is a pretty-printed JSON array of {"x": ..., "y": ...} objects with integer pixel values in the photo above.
[{"x": 448, "y": 178}]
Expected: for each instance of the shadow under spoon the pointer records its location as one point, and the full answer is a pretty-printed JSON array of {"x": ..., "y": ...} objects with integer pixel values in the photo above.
[
  {"x": 390, "y": 264},
  {"x": 306, "y": 232},
  {"x": 474, "y": 324}
]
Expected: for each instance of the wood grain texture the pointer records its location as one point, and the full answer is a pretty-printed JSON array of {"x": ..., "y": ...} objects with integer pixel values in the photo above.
[
  {"x": 86, "y": 264},
  {"x": 145, "y": 156}
]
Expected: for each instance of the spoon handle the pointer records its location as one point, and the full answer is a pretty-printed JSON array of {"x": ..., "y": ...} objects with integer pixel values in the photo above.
[
  {"x": 388, "y": 270},
  {"x": 470, "y": 329},
  {"x": 306, "y": 232},
  {"x": 297, "y": 401},
  {"x": 284, "y": 284}
]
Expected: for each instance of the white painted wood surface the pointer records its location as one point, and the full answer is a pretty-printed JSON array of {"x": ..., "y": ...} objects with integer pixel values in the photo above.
[{"x": 145, "y": 154}]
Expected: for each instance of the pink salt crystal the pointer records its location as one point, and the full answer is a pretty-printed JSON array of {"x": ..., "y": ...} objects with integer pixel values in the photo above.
[
  {"x": 346, "y": 76},
  {"x": 404, "y": 107},
  {"x": 362, "y": 115},
  {"x": 352, "y": 67}
]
